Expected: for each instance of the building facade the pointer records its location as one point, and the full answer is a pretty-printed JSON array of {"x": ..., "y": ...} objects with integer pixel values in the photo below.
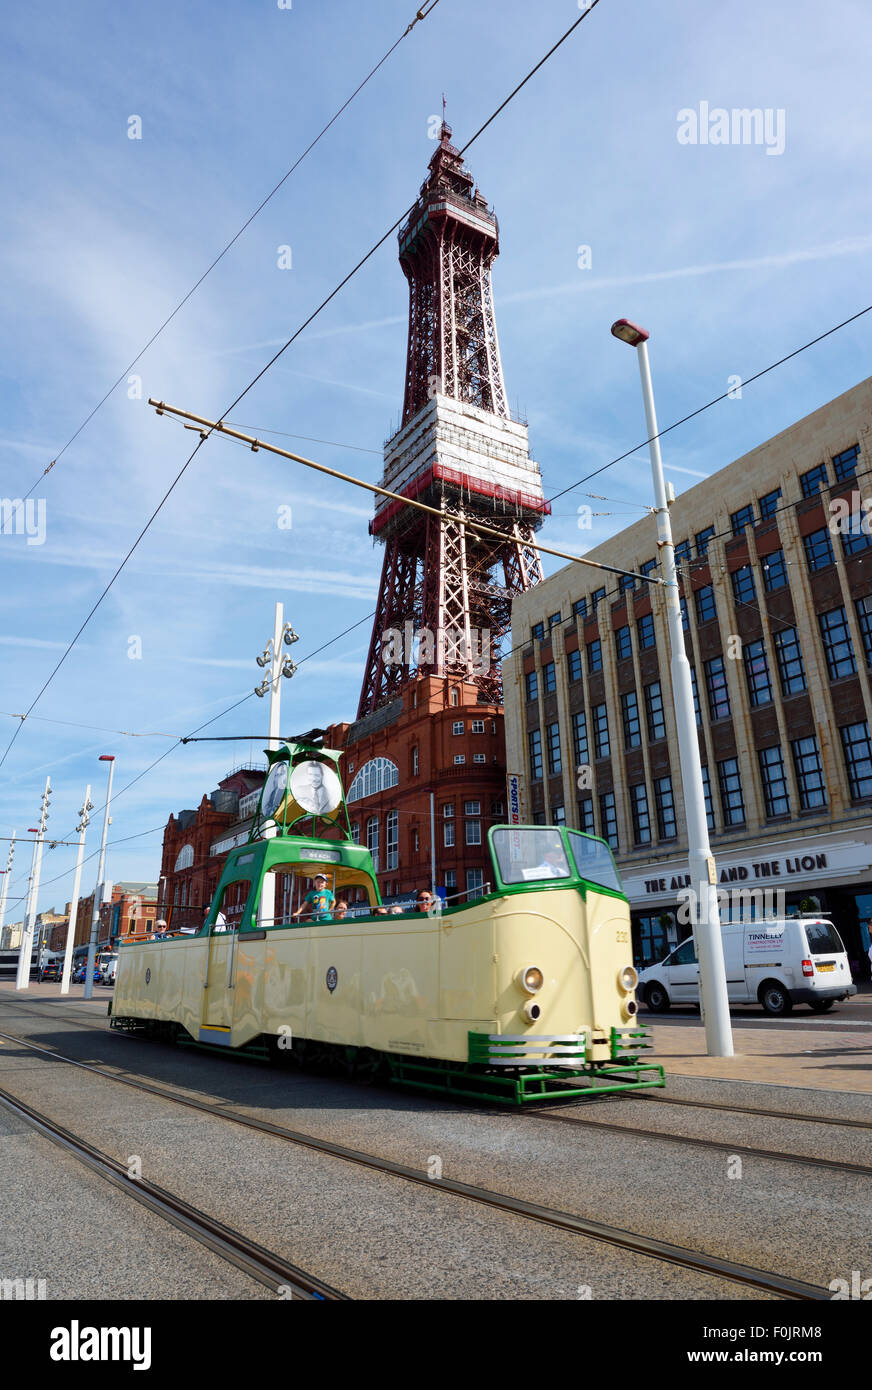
[
  {"x": 775, "y": 561},
  {"x": 197, "y": 842}
]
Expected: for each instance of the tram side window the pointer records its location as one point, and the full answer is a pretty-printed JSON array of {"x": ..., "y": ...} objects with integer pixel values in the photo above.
[
  {"x": 525, "y": 854},
  {"x": 594, "y": 861},
  {"x": 232, "y": 906}
]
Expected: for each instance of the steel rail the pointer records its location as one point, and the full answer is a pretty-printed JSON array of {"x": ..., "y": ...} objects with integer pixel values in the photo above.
[
  {"x": 252, "y": 1259},
  {"x": 717, "y": 1266}
]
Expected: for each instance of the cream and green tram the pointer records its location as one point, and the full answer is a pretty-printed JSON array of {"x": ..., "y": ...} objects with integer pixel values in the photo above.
[{"x": 524, "y": 992}]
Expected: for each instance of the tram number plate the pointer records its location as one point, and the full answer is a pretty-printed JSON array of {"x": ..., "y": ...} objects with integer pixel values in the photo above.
[{"x": 828, "y": 965}]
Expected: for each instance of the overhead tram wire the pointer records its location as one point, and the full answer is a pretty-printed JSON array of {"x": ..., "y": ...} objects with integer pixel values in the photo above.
[
  {"x": 425, "y": 9},
  {"x": 342, "y": 283},
  {"x": 746, "y": 381}
]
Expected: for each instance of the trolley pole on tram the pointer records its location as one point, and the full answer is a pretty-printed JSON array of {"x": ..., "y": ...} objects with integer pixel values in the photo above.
[
  {"x": 703, "y": 875},
  {"x": 87, "y": 806},
  {"x": 99, "y": 887},
  {"x": 24, "y": 955}
]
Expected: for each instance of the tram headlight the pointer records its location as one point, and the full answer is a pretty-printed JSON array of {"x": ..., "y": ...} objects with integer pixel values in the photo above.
[
  {"x": 628, "y": 978},
  {"x": 530, "y": 978},
  {"x": 531, "y": 1011}
]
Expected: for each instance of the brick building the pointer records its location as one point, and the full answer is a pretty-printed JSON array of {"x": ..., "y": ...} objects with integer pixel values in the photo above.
[
  {"x": 196, "y": 844},
  {"x": 432, "y": 751},
  {"x": 777, "y": 612}
]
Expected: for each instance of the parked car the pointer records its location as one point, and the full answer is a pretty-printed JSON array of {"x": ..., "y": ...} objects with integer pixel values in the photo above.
[
  {"x": 80, "y": 972},
  {"x": 108, "y": 970},
  {"x": 777, "y": 963},
  {"x": 52, "y": 970}
]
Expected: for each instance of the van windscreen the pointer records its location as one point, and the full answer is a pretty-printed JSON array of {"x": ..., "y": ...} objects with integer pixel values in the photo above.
[{"x": 823, "y": 939}]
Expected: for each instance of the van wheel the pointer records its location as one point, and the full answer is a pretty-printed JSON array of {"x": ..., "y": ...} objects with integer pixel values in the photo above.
[
  {"x": 775, "y": 999},
  {"x": 656, "y": 998},
  {"x": 822, "y": 1006}
]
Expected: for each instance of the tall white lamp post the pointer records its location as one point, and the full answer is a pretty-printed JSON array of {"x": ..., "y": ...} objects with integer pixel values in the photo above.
[
  {"x": 279, "y": 666},
  {"x": 5, "y": 889},
  {"x": 24, "y": 955},
  {"x": 99, "y": 888},
  {"x": 77, "y": 880},
  {"x": 703, "y": 876}
]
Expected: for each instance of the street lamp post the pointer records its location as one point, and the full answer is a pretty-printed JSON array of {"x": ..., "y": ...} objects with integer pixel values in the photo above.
[
  {"x": 7, "y": 871},
  {"x": 706, "y": 916},
  {"x": 24, "y": 955},
  {"x": 279, "y": 666},
  {"x": 99, "y": 886},
  {"x": 77, "y": 879}
]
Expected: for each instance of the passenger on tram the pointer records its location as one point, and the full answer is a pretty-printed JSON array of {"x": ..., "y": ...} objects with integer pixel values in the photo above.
[
  {"x": 319, "y": 901},
  {"x": 340, "y": 911}
]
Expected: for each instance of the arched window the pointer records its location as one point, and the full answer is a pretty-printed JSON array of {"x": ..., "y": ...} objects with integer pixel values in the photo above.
[
  {"x": 455, "y": 695},
  {"x": 372, "y": 840},
  {"x": 392, "y": 837},
  {"x": 375, "y": 776},
  {"x": 185, "y": 858}
]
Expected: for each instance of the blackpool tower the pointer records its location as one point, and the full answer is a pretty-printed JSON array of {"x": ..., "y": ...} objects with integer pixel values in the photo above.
[{"x": 444, "y": 603}]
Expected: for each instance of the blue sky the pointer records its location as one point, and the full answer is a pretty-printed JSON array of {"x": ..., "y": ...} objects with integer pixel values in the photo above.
[{"x": 729, "y": 255}]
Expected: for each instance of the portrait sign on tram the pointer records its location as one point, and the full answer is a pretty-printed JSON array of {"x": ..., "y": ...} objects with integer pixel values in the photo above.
[{"x": 311, "y": 788}]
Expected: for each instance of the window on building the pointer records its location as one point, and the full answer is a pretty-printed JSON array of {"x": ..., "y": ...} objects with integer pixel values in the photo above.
[
  {"x": 378, "y": 775},
  {"x": 838, "y": 647},
  {"x": 702, "y": 541},
  {"x": 742, "y": 518},
  {"x": 579, "y": 608},
  {"x": 532, "y": 680},
  {"x": 776, "y": 795},
  {"x": 769, "y": 504},
  {"x": 858, "y": 759},
  {"x": 392, "y": 840},
  {"x": 856, "y": 533},
  {"x": 553, "y": 620},
  {"x": 695, "y": 689},
  {"x": 664, "y": 802},
  {"x": 716, "y": 688},
  {"x": 705, "y": 604},
  {"x": 372, "y": 840},
  {"x": 812, "y": 481},
  {"x": 641, "y": 818},
  {"x": 818, "y": 549},
  {"x": 630, "y": 716},
  {"x": 623, "y": 646},
  {"x": 609, "y": 820},
  {"x": 355, "y": 833},
  {"x": 558, "y": 815},
  {"x": 538, "y": 817},
  {"x": 744, "y": 588},
  {"x": 555, "y": 761},
  {"x": 549, "y": 678},
  {"x": 459, "y": 759},
  {"x": 457, "y": 727},
  {"x": 595, "y": 655},
  {"x": 682, "y": 553},
  {"x": 585, "y": 815},
  {"x": 537, "y": 632},
  {"x": 448, "y": 833},
  {"x": 774, "y": 571},
  {"x": 596, "y": 599},
  {"x": 448, "y": 812},
  {"x": 473, "y": 832},
  {"x": 864, "y": 618},
  {"x": 626, "y": 582},
  {"x": 845, "y": 464},
  {"x": 474, "y": 883},
  {"x": 415, "y": 761},
  {"x": 685, "y": 614},
  {"x": 645, "y": 631},
  {"x": 416, "y": 840},
  {"x": 654, "y": 711},
  {"x": 707, "y": 793},
  {"x": 497, "y": 808},
  {"x": 573, "y": 660},
  {"x": 454, "y": 698},
  {"x": 730, "y": 783},
  {"x": 757, "y": 673},
  {"x": 478, "y": 726},
  {"x": 579, "y": 739},
  {"x": 479, "y": 757},
  {"x": 600, "y": 717},
  {"x": 534, "y": 740},
  {"x": 809, "y": 773},
  {"x": 649, "y": 567},
  {"x": 472, "y": 808},
  {"x": 791, "y": 668},
  {"x": 450, "y": 879}
]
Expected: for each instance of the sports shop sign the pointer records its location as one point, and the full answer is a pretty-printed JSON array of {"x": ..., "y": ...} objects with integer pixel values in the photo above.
[{"x": 836, "y": 861}]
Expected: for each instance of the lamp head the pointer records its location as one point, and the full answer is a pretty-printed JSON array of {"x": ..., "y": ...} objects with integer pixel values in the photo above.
[{"x": 629, "y": 332}]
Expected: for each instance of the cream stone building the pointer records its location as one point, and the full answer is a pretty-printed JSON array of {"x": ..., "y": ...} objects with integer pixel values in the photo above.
[{"x": 775, "y": 558}]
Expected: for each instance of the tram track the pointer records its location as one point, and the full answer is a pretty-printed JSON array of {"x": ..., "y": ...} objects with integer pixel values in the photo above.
[
  {"x": 717, "y": 1266},
  {"x": 269, "y": 1269}
]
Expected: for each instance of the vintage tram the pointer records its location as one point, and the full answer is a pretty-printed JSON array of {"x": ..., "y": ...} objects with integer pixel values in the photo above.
[{"x": 525, "y": 992}]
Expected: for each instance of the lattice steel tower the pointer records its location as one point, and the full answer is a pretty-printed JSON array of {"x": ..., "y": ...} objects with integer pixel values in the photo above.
[{"x": 445, "y": 598}]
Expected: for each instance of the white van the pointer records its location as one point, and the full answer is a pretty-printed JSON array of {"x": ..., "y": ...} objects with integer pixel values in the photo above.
[
  {"x": 108, "y": 969},
  {"x": 795, "y": 960}
]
